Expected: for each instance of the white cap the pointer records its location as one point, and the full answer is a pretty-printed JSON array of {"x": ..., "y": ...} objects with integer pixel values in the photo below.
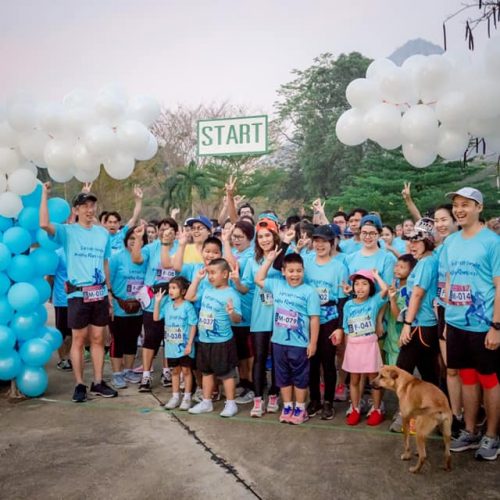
[{"x": 467, "y": 192}]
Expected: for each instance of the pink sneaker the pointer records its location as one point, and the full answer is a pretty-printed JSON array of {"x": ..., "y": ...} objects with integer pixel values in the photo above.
[
  {"x": 286, "y": 414},
  {"x": 273, "y": 404},
  {"x": 258, "y": 408},
  {"x": 299, "y": 416},
  {"x": 341, "y": 393}
]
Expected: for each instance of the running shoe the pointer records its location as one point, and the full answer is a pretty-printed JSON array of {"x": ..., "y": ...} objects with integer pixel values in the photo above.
[
  {"x": 489, "y": 448},
  {"x": 172, "y": 403},
  {"x": 65, "y": 365},
  {"x": 166, "y": 379},
  {"x": 230, "y": 409},
  {"x": 185, "y": 404},
  {"x": 286, "y": 414},
  {"x": 203, "y": 407},
  {"x": 198, "y": 395},
  {"x": 313, "y": 408},
  {"x": 102, "y": 389},
  {"x": 132, "y": 377},
  {"x": 80, "y": 394},
  {"x": 273, "y": 403},
  {"x": 145, "y": 385},
  {"x": 353, "y": 416},
  {"x": 245, "y": 397},
  {"x": 118, "y": 381},
  {"x": 327, "y": 413},
  {"x": 397, "y": 423},
  {"x": 299, "y": 416},
  {"x": 258, "y": 409},
  {"x": 341, "y": 393},
  {"x": 375, "y": 417},
  {"x": 465, "y": 441}
]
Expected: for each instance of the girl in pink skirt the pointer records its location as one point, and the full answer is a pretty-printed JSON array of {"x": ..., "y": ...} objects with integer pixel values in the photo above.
[{"x": 362, "y": 354}]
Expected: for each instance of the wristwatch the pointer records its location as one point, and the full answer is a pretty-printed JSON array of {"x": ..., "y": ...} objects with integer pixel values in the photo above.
[
  {"x": 407, "y": 323},
  {"x": 495, "y": 325}
]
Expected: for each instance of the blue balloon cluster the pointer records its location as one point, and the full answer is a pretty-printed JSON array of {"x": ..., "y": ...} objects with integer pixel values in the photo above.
[{"x": 26, "y": 342}]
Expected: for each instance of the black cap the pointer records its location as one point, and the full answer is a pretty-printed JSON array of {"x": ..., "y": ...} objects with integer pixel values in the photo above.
[
  {"x": 326, "y": 232},
  {"x": 82, "y": 198}
]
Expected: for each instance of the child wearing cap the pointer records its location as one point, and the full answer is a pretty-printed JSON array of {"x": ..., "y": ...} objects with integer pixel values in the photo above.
[{"x": 362, "y": 354}]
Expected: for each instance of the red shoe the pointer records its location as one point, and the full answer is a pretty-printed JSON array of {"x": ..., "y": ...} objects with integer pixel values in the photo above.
[
  {"x": 353, "y": 416},
  {"x": 375, "y": 417}
]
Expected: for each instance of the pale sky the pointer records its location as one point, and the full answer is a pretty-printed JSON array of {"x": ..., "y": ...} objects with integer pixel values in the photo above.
[{"x": 198, "y": 51}]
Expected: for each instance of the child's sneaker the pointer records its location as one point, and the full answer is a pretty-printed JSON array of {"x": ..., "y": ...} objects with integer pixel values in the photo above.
[
  {"x": 489, "y": 448},
  {"x": 230, "y": 409},
  {"x": 185, "y": 404},
  {"x": 286, "y": 414},
  {"x": 375, "y": 417},
  {"x": 205, "y": 406},
  {"x": 166, "y": 379},
  {"x": 172, "y": 403},
  {"x": 353, "y": 416},
  {"x": 273, "y": 404},
  {"x": 341, "y": 393},
  {"x": 258, "y": 408},
  {"x": 299, "y": 416}
]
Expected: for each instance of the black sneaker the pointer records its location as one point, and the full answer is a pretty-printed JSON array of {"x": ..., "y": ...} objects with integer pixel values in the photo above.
[
  {"x": 145, "y": 385},
  {"x": 65, "y": 365},
  {"x": 80, "y": 394},
  {"x": 457, "y": 425},
  {"x": 103, "y": 390},
  {"x": 313, "y": 408},
  {"x": 328, "y": 412},
  {"x": 166, "y": 379}
]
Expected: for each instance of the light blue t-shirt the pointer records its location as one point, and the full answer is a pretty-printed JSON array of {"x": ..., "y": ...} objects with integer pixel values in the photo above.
[
  {"x": 441, "y": 280},
  {"x": 327, "y": 280},
  {"x": 399, "y": 245},
  {"x": 360, "y": 320},
  {"x": 189, "y": 271},
  {"x": 293, "y": 307},
  {"x": 59, "y": 296},
  {"x": 126, "y": 278},
  {"x": 117, "y": 240},
  {"x": 246, "y": 298},
  {"x": 424, "y": 275},
  {"x": 350, "y": 246},
  {"x": 178, "y": 323},
  {"x": 214, "y": 323},
  {"x": 85, "y": 249},
  {"x": 262, "y": 301},
  {"x": 473, "y": 264},
  {"x": 382, "y": 260}
]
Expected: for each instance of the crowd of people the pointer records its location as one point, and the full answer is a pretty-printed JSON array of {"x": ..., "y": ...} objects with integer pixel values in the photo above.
[{"x": 287, "y": 315}]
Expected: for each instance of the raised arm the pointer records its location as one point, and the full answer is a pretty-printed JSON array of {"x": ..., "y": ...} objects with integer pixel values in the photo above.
[
  {"x": 45, "y": 223},
  {"x": 192, "y": 292},
  {"x": 410, "y": 204},
  {"x": 136, "y": 252},
  {"x": 138, "y": 195},
  {"x": 231, "y": 205},
  {"x": 261, "y": 275}
]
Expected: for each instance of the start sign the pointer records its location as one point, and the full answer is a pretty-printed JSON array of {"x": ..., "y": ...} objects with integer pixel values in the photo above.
[{"x": 245, "y": 135}]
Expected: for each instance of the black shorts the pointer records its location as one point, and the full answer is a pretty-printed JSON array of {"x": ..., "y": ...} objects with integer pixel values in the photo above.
[
  {"x": 154, "y": 332},
  {"x": 82, "y": 314},
  {"x": 243, "y": 342},
  {"x": 185, "y": 361},
  {"x": 441, "y": 321},
  {"x": 125, "y": 331},
  {"x": 467, "y": 350},
  {"x": 218, "y": 358},
  {"x": 61, "y": 314}
]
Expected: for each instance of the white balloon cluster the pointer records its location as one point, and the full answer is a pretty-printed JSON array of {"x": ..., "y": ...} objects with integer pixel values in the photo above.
[
  {"x": 430, "y": 105},
  {"x": 72, "y": 138}
]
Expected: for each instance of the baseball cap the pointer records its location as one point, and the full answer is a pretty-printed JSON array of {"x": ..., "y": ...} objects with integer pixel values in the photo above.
[
  {"x": 327, "y": 232},
  {"x": 423, "y": 230},
  {"x": 266, "y": 223},
  {"x": 372, "y": 219},
  {"x": 364, "y": 273},
  {"x": 469, "y": 193},
  {"x": 82, "y": 198},
  {"x": 201, "y": 219}
]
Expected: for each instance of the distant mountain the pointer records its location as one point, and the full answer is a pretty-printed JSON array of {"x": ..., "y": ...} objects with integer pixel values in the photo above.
[{"x": 412, "y": 47}]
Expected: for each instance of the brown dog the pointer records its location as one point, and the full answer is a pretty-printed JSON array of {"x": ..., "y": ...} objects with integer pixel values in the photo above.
[{"x": 423, "y": 401}]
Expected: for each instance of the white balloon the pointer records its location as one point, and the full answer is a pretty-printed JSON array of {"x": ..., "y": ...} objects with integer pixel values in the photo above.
[
  {"x": 79, "y": 119},
  {"x": 382, "y": 123},
  {"x": 22, "y": 181},
  {"x": 9, "y": 160},
  {"x": 145, "y": 109},
  {"x": 120, "y": 166},
  {"x": 10, "y": 204},
  {"x": 363, "y": 94},
  {"x": 480, "y": 128},
  {"x": 3, "y": 183},
  {"x": 451, "y": 144},
  {"x": 419, "y": 125},
  {"x": 87, "y": 175},
  {"x": 378, "y": 67},
  {"x": 483, "y": 97},
  {"x": 390, "y": 142},
  {"x": 452, "y": 110},
  {"x": 412, "y": 64},
  {"x": 133, "y": 137},
  {"x": 100, "y": 140},
  {"x": 84, "y": 160},
  {"x": 57, "y": 154},
  {"x": 32, "y": 145},
  {"x": 51, "y": 118},
  {"x": 150, "y": 150},
  {"x": 29, "y": 166},
  {"x": 21, "y": 114},
  {"x": 396, "y": 86},
  {"x": 78, "y": 98},
  {"x": 8, "y": 136},
  {"x": 62, "y": 176},
  {"x": 417, "y": 156},
  {"x": 432, "y": 78},
  {"x": 111, "y": 103},
  {"x": 349, "y": 127}
]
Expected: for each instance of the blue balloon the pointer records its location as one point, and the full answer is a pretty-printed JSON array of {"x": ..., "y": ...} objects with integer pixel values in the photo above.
[
  {"x": 10, "y": 365},
  {"x": 5, "y": 223},
  {"x": 59, "y": 210},
  {"x": 1, "y": 236},
  {"x": 32, "y": 381},
  {"x": 36, "y": 352},
  {"x": 41, "y": 313},
  {"x": 34, "y": 198},
  {"x": 21, "y": 268},
  {"x": 45, "y": 261},
  {"x": 25, "y": 326},
  {"x": 5, "y": 257},
  {"x": 4, "y": 284},
  {"x": 17, "y": 239},
  {"x": 6, "y": 311},
  {"x": 7, "y": 339},
  {"x": 23, "y": 297},
  {"x": 53, "y": 336},
  {"x": 45, "y": 241},
  {"x": 43, "y": 289},
  {"x": 28, "y": 218}
]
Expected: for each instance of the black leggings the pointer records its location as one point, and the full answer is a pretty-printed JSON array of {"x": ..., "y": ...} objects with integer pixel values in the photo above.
[
  {"x": 260, "y": 342},
  {"x": 325, "y": 357},
  {"x": 422, "y": 352},
  {"x": 124, "y": 331}
]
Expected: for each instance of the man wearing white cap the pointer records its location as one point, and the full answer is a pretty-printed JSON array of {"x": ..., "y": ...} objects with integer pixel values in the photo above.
[{"x": 472, "y": 263}]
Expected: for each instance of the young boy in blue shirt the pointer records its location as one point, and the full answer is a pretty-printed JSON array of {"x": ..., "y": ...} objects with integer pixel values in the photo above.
[
  {"x": 216, "y": 355},
  {"x": 295, "y": 332}
]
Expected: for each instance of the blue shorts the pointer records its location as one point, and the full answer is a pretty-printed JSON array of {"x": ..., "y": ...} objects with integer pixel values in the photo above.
[{"x": 291, "y": 366}]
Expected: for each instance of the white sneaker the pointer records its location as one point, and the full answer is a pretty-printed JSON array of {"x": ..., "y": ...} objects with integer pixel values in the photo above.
[
  {"x": 258, "y": 409},
  {"x": 230, "y": 410},
  {"x": 273, "y": 404},
  {"x": 185, "y": 404},
  {"x": 198, "y": 395},
  {"x": 203, "y": 407},
  {"x": 172, "y": 403}
]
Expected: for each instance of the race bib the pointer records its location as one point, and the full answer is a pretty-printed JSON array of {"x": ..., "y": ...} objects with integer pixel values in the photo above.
[
  {"x": 206, "y": 320},
  {"x": 164, "y": 274},
  {"x": 324, "y": 295},
  {"x": 286, "y": 319},
  {"x": 133, "y": 287},
  {"x": 93, "y": 293},
  {"x": 173, "y": 335},
  {"x": 144, "y": 296},
  {"x": 441, "y": 291},
  {"x": 266, "y": 298},
  {"x": 460, "y": 295},
  {"x": 360, "y": 326}
]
